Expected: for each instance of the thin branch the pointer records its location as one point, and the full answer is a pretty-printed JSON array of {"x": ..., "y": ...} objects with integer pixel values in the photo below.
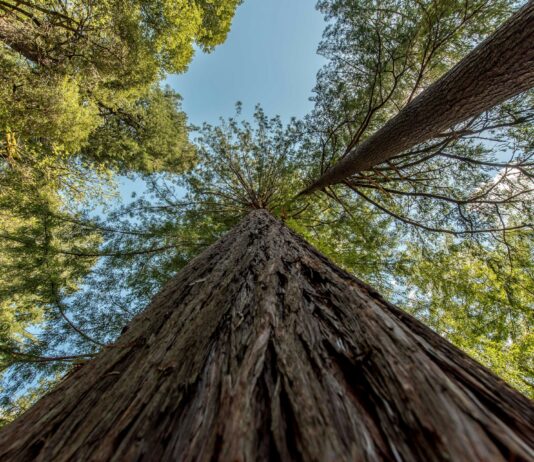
[
  {"x": 61, "y": 308},
  {"x": 429, "y": 228}
]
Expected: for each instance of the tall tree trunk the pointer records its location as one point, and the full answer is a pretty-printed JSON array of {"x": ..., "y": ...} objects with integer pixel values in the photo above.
[
  {"x": 23, "y": 39},
  {"x": 499, "y": 68},
  {"x": 261, "y": 349}
]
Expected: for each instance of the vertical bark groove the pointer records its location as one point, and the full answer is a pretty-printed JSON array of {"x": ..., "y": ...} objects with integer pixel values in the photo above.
[{"x": 261, "y": 349}]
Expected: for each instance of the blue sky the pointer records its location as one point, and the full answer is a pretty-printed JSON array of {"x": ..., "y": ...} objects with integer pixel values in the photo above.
[{"x": 269, "y": 57}]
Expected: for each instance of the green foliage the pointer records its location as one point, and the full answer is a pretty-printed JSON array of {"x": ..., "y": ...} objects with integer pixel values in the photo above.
[
  {"x": 44, "y": 117},
  {"x": 145, "y": 135},
  {"x": 39, "y": 243},
  {"x": 14, "y": 408},
  {"x": 383, "y": 54},
  {"x": 81, "y": 78},
  {"x": 481, "y": 299},
  {"x": 140, "y": 37}
]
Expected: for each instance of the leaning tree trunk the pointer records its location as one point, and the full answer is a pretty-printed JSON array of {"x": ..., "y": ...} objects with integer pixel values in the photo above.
[
  {"x": 22, "y": 38},
  {"x": 261, "y": 349},
  {"x": 497, "y": 69}
]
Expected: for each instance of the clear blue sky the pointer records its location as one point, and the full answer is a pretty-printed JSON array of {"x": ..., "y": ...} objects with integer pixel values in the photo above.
[{"x": 269, "y": 57}]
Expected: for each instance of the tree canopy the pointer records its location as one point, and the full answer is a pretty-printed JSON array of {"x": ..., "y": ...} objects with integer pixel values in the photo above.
[{"x": 80, "y": 79}]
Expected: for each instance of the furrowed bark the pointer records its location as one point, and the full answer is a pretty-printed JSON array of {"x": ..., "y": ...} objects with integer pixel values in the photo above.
[
  {"x": 261, "y": 349},
  {"x": 499, "y": 68}
]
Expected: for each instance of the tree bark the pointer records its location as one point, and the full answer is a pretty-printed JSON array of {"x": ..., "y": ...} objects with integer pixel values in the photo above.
[
  {"x": 22, "y": 39},
  {"x": 499, "y": 68},
  {"x": 261, "y": 349}
]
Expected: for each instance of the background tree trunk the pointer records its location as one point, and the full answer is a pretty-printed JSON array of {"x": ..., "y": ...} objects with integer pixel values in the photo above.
[
  {"x": 22, "y": 38},
  {"x": 499, "y": 68},
  {"x": 261, "y": 349}
]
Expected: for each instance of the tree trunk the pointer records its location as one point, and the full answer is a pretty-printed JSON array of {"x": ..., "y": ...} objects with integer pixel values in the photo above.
[
  {"x": 23, "y": 39},
  {"x": 261, "y": 349},
  {"x": 499, "y": 68}
]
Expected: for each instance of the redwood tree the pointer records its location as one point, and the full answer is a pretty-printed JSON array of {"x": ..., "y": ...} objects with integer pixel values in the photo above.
[
  {"x": 262, "y": 349},
  {"x": 497, "y": 69}
]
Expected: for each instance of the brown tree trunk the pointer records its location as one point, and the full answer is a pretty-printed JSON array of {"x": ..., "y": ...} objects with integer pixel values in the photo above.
[
  {"x": 499, "y": 68},
  {"x": 261, "y": 349},
  {"x": 23, "y": 39}
]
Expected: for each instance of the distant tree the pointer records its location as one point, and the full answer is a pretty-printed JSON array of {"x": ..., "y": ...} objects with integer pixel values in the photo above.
[
  {"x": 381, "y": 56},
  {"x": 79, "y": 76},
  {"x": 39, "y": 264},
  {"x": 493, "y": 72}
]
